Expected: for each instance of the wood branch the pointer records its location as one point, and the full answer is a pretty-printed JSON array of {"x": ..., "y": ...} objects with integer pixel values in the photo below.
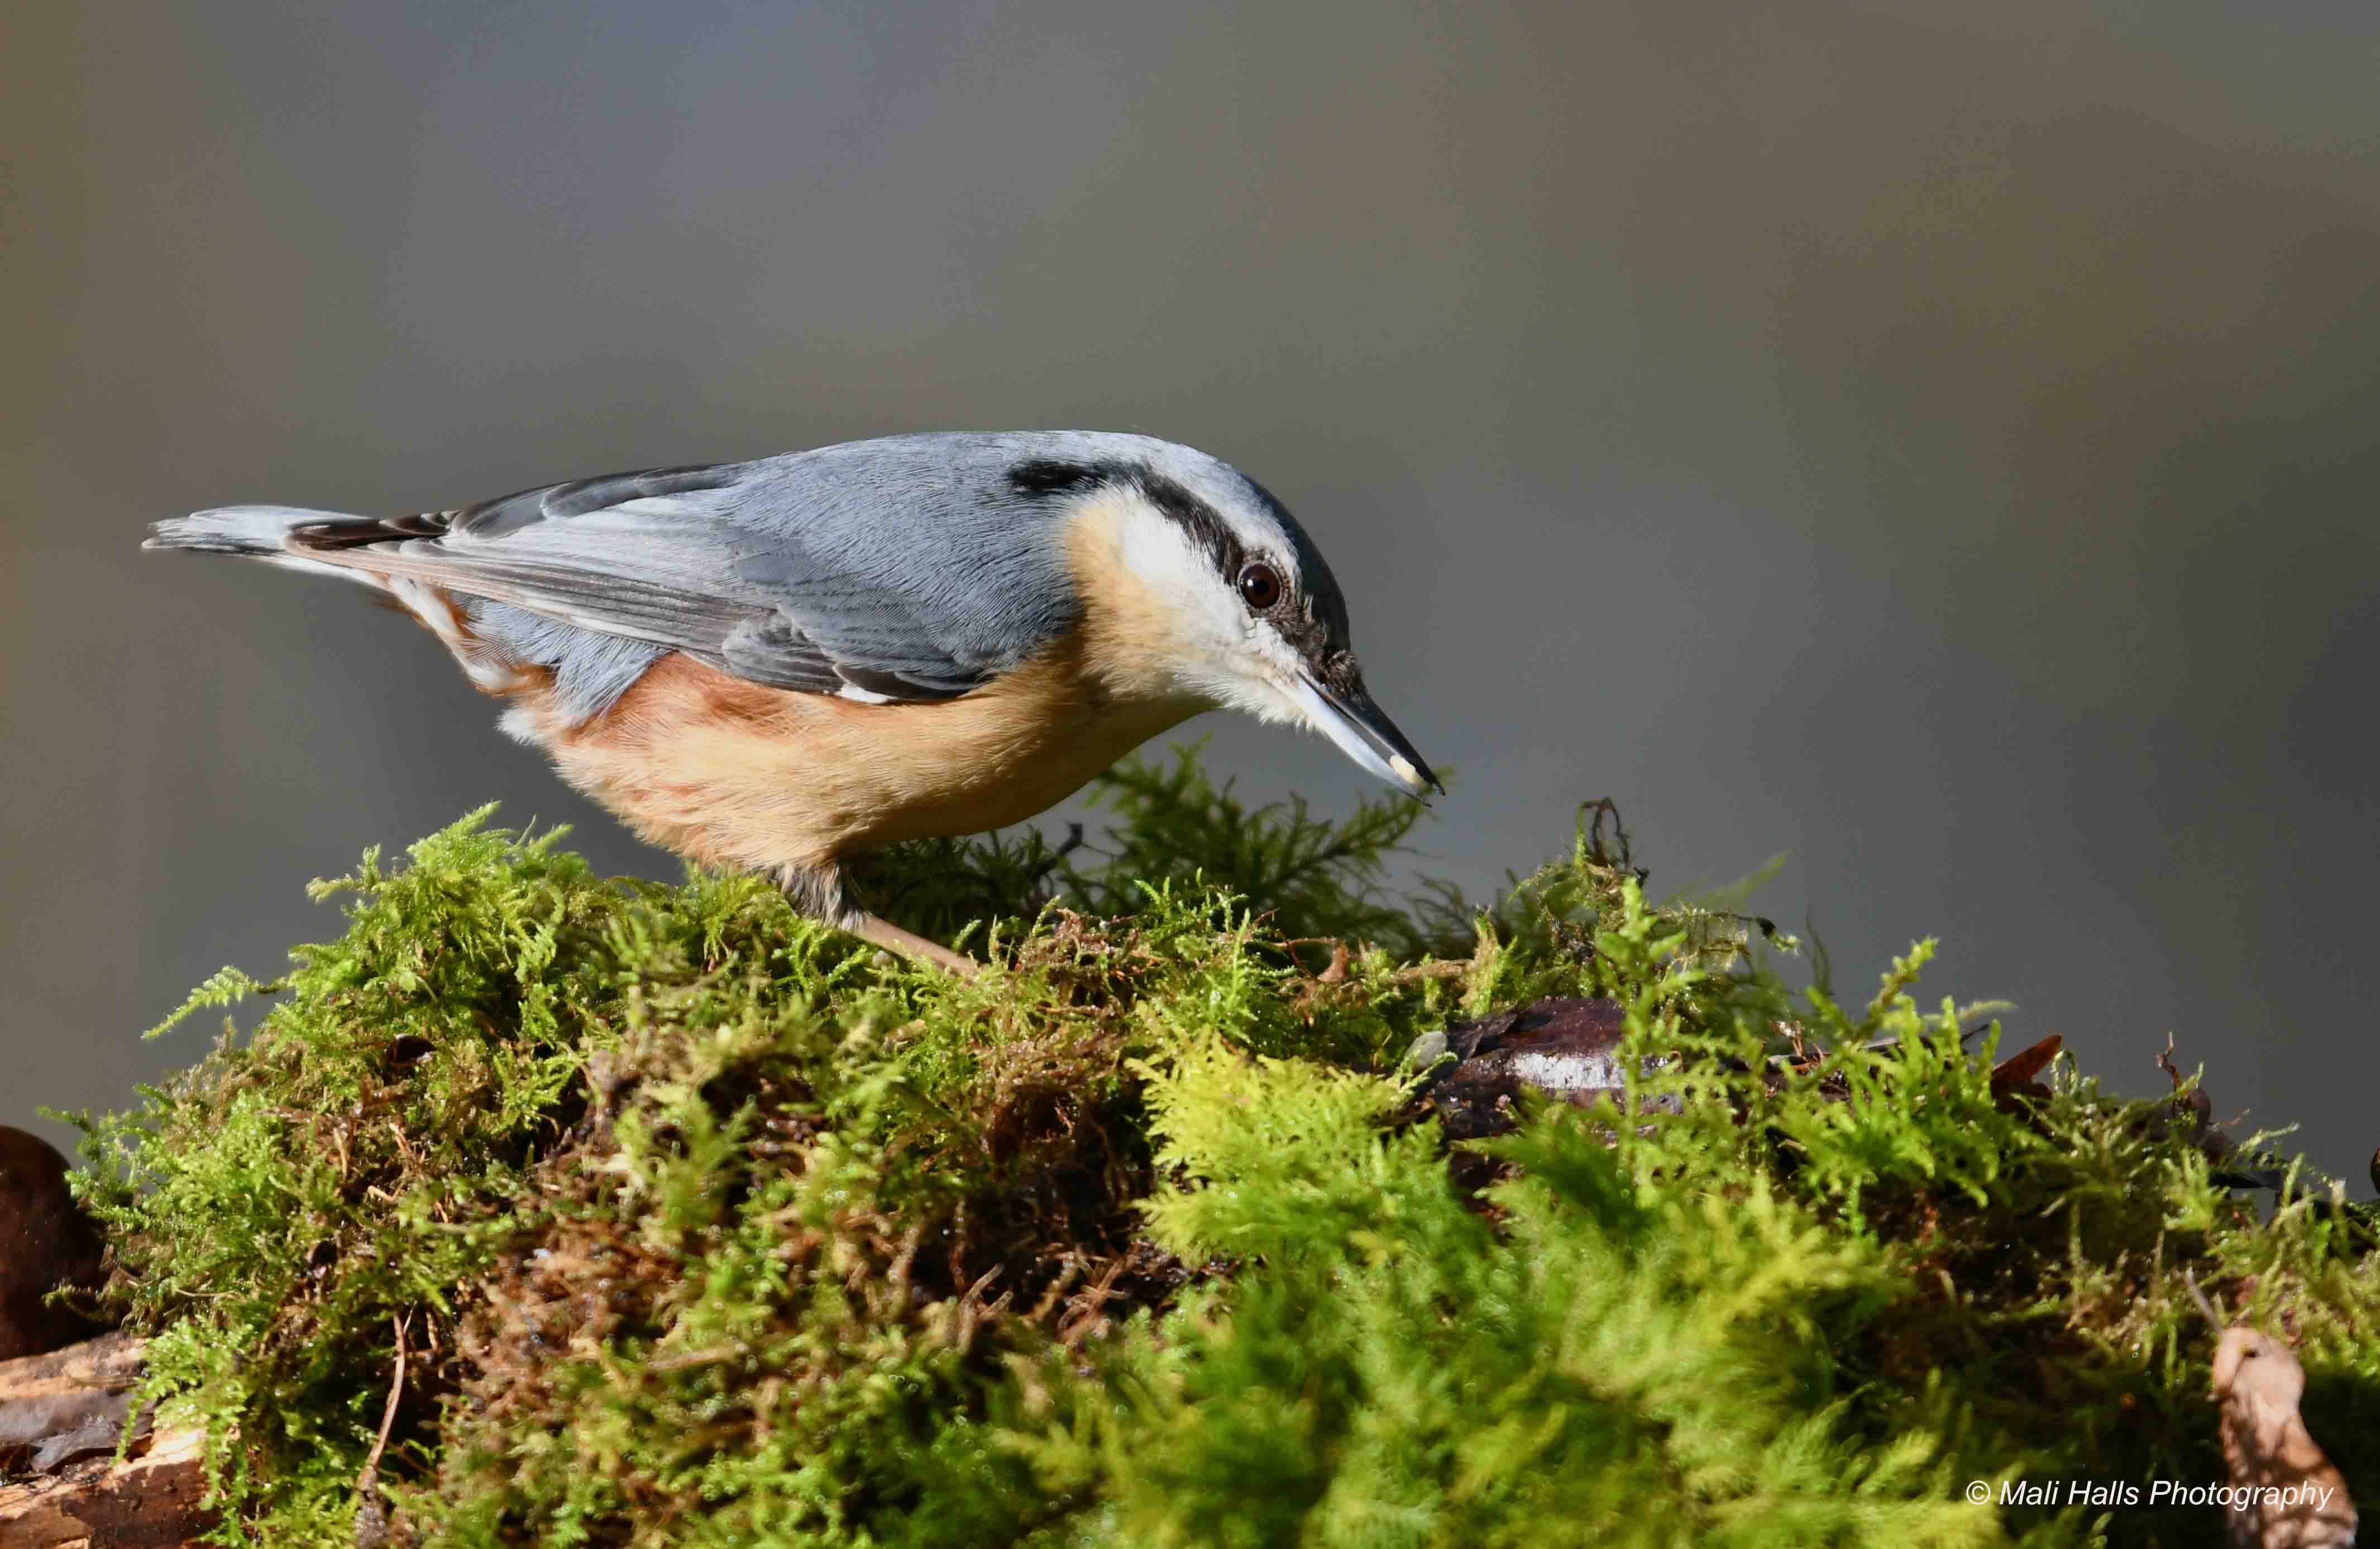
[{"x": 61, "y": 1415}]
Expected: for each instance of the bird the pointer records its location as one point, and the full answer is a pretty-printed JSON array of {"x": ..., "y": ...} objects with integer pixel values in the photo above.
[
  {"x": 777, "y": 665},
  {"x": 2295, "y": 1497}
]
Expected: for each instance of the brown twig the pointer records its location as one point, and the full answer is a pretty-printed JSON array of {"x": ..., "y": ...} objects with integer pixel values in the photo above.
[
  {"x": 369, "y": 1481},
  {"x": 371, "y": 1511}
]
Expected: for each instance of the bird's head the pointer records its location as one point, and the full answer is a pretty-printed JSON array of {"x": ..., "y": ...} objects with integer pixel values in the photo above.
[
  {"x": 2252, "y": 1367},
  {"x": 1198, "y": 587},
  {"x": 2258, "y": 1369}
]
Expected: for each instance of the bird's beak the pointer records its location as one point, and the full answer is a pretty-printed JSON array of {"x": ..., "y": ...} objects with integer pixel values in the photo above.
[{"x": 1349, "y": 717}]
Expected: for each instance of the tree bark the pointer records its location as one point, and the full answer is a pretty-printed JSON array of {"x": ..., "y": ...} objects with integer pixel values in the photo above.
[{"x": 61, "y": 1415}]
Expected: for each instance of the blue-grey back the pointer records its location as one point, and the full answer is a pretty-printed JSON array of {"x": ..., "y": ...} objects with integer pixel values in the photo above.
[{"x": 937, "y": 522}]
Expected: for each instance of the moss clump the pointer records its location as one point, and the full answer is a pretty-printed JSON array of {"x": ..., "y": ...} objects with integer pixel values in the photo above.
[{"x": 698, "y": 1225}]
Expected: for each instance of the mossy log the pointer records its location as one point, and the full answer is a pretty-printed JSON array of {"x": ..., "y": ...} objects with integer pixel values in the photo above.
[
  {"x": 595, "y": 1212},
  {"x": 61, "y": 1485}
]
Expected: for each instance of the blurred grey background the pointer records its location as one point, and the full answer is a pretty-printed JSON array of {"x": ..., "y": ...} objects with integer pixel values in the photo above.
[{"x": 1936, "y": 440}]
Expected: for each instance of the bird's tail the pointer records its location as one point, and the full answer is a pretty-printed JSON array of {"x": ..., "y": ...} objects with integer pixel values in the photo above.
[
  {"x": 256, "y": 531},
  {"x": 259, "y": 531}
]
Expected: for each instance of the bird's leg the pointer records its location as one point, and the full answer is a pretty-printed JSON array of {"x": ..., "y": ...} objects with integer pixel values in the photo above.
[
  {"x": 909, "y": 944},
  {"x": 820, "y": 892}
]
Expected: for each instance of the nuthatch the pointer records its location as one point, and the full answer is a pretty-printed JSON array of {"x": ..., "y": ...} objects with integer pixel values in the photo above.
[
  {"x": 775, "y": 665},
  {"x": 2295, "y": 1497}
]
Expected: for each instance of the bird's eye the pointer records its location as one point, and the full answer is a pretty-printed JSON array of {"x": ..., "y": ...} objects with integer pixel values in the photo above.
[{"x": 1260, "y": 585}]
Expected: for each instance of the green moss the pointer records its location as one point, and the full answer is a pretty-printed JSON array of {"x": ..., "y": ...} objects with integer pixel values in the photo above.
[{"x": 701, "y": 1225}]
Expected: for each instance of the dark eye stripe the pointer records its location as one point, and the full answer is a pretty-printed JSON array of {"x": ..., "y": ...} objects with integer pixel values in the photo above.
[
  {"x": 1318, "y": 626},
  {"x": 1214, "y": 536},
  {"x": 1195, "y": 516},
  {"x": 1052, "y": 475}
]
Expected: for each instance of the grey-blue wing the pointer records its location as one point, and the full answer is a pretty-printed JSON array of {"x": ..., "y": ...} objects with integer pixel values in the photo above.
[{"x": 899, "y": 577}]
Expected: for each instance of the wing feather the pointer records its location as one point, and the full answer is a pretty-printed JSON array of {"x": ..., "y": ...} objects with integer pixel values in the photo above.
[{"x": 738, "y": 564}]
